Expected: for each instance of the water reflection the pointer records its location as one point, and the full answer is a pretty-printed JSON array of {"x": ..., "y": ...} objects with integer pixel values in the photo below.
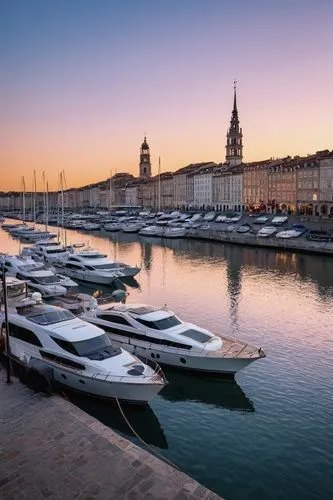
[
  {"x": 142, "y": 418},
  {"x": 215, "y": 391}
]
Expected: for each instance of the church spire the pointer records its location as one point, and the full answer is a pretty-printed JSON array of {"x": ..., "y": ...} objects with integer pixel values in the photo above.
[{"x": 234, "y": 147}]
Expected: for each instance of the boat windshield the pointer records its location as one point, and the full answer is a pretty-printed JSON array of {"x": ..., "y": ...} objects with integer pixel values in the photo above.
[
  {"x": 51, "y": 317},
  {"x": 46, "y": 279},
  {"x": 106, "y": 266},
  {"x": 55, "y": 250},
  {"x": 160, "y": 324},
  {"x": 96, "y": 348},
  {"x": 93, "y": 256}
]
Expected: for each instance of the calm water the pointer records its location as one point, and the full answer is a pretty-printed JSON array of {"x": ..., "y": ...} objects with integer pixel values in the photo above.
[{"x": 269, "y": 434}]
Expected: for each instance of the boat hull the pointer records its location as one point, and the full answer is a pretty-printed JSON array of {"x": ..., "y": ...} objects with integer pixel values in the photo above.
[{"x": 181, "y": 358}]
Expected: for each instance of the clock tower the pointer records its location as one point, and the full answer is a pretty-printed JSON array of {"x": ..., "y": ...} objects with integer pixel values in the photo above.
[
  {"x": 145, "y": 165},
  {"x": 234, "y": 147}
]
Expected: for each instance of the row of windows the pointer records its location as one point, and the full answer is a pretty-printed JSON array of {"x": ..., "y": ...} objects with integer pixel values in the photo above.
[{"x": 139, "y": 336}]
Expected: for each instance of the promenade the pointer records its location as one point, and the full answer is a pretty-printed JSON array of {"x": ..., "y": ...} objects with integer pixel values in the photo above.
[{"x": 51, "y": 449}]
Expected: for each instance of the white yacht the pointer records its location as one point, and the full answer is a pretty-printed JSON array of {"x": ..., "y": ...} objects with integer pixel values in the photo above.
[
  {"x": 133, "y": 227},
  {"x": 79, "y": 355},
  {"x": 112, "y": 227},
  {"x": 38, "y": 277},
  {"x": 158, "y": 334},
  {"x": 93, "y": 266},
  {"x": 152, "y": 231},
  {"x": 49, "y": 251},
  {"x": 91, "y": 226}
]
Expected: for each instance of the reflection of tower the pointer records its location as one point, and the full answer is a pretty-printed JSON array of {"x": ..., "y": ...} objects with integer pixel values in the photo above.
[
  {"x": 146, "y": 255},
  {"x": 234, "y": 147},
  {"x": 234, "y": 277},
  {"x": 145, "y": 165}
]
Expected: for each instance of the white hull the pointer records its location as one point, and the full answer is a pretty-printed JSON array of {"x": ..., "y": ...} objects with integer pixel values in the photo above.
[
  {"x": 181, "y": 358},
  {"x": 85, "y": 276},
  {"x": 131, "y": 393}
]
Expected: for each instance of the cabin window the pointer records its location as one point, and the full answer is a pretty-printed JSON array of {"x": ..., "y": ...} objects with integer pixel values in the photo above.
[
  {"x": 160, "y": 324},
  {"x": 62, "y": 361},
  {"x": 50, "y": 317},
  {"x": 96, "y": 348},
  {"x": 114, "y": 319},
  {"x": 24, "y": 334}
]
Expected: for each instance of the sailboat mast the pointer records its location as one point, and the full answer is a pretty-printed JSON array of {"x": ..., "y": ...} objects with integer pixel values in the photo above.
[
  {"x": 159, "y": 183},
  {"x": 23, "y": 199},
  {"x": 34, "y": 197},
  {"x": 110, "y": 191},
  {"x": 47, "y": 206},
  {"x": 44, "y": 201}
]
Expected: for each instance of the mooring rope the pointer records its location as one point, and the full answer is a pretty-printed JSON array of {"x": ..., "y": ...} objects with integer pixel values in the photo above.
[{"x": 142, "y": 441}]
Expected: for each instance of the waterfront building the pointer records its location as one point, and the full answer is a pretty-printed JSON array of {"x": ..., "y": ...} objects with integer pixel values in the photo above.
[
  {"x": 144, "y": 164},
  {"x": 326, "y": 183},
  {"x": 180, "y": 183},
  {"x": 255, "y": 186},
  {"x": 307, "y": 185},
  {"x": 131, "y": 194},
  {"x": 234, "y": 146},
  {"x": 281, "y": 180},
  {"x": 203, "y": 186},
  {"x": 228, "y": 188},
  {"x": 119, "y": 183}
]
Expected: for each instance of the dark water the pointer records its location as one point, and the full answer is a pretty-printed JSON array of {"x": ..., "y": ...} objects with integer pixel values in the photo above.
[{"x": 269, "y": 434}]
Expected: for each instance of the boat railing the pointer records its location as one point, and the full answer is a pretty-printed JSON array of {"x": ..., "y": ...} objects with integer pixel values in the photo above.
[{"x": 158, "y": 376}]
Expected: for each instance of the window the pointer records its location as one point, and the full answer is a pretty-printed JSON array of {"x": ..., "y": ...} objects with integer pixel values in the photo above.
[
  {"x": 114, "y": 319},
  {"x": 50, "y": 317},
  {"x": 96, "y": 348},
  {"x": 62, "y": 361},
  {"x": 161, "y": 324},
  {"x": 24, "y": 334}
]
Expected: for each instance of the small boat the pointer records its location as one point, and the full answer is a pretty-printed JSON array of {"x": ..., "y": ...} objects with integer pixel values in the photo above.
[
  {"x": 91, "y": 226},
  {"x": 158, "y": 334},
  {"x": 133, "y": 227},
  {"x": 151, "y": 231},
  {"x": 112, "y": 227},
  {"x": 267, "y": 231},
  {"x": 79, "y": 355},
  {"x": 174, "y": 232}
]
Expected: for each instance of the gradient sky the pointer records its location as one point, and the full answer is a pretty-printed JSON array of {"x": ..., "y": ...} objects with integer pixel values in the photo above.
[{"x": 82, "y": 81}]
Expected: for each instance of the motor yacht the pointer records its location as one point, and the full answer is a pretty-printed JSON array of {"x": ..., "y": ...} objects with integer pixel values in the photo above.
[
  {"x": 91, "y": 226},
  {"x": 93, "y": 266},
  {"x": 152, "y": 231},
  {"x": 133, "y": 227},
  {"x": 48, "y": 251},
  {"x": 38, "y": 277},
  {"x": 112, "y": 227},
  {"x": 289, "y": 233},
  {"x": 79, "y": 355},
  {"x": 101, "y": 262},
  {"x": 158, "y": 334}
]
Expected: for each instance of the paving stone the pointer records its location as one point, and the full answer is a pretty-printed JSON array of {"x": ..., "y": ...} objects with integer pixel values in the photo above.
[{"x": 52, "y": 450}]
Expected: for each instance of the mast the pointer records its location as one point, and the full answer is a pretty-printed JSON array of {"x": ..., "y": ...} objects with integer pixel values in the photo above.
[
  {"x": 34, "y": 197},
  {"x": 23, "y": 199},
  {"x": 110, "y": 191},
  {"x": 47, "y": 206},
  {"x": 44, "y": 198},
  {"x": 159, "y": 183}
]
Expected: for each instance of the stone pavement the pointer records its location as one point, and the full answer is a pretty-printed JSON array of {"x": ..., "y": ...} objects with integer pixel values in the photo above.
[{"x": 49, "y": 448}]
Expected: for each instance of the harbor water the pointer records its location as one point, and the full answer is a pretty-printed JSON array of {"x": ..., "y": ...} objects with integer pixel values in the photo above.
[{"x": 269, "y": 433}]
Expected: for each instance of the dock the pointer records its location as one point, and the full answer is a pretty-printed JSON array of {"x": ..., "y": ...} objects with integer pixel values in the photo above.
[{"x": 49, "y": 448}]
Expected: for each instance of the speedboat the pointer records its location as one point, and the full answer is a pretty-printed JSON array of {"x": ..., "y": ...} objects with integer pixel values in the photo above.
[
  {"x": 151, "y": 231},
  {"x": 289, "y": 233},
  {"x": 79, "y": 355},
  {"x": 158, "y": 334},
  {"x": 279, "y": 220}
]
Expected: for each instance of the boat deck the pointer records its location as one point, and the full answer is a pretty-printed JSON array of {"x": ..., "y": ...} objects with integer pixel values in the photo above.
[{"x": 233, "y": 348}]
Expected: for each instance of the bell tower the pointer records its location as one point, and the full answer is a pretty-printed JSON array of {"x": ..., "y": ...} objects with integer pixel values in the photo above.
[
  {"x": 145, "y": 165},
  {"x": 234, "y": 147}
]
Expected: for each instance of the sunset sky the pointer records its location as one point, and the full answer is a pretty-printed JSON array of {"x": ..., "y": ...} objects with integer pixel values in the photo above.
[{"x": 82, "y": 81}]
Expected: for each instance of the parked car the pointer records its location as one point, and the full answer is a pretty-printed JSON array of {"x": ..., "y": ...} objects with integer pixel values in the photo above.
[
  {"x": 279, "y": 220},
  {"x": 244, "y": 228},
  {"x": 261, "y": 220},
  {"x": 319, "y": 235},
  {"x": 267, "y": 231}
]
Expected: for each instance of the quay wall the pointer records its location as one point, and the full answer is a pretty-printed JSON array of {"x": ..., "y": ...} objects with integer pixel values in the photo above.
[
  {"x": 51, "y": 449},
  {"x": 294, "y": 244}
]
